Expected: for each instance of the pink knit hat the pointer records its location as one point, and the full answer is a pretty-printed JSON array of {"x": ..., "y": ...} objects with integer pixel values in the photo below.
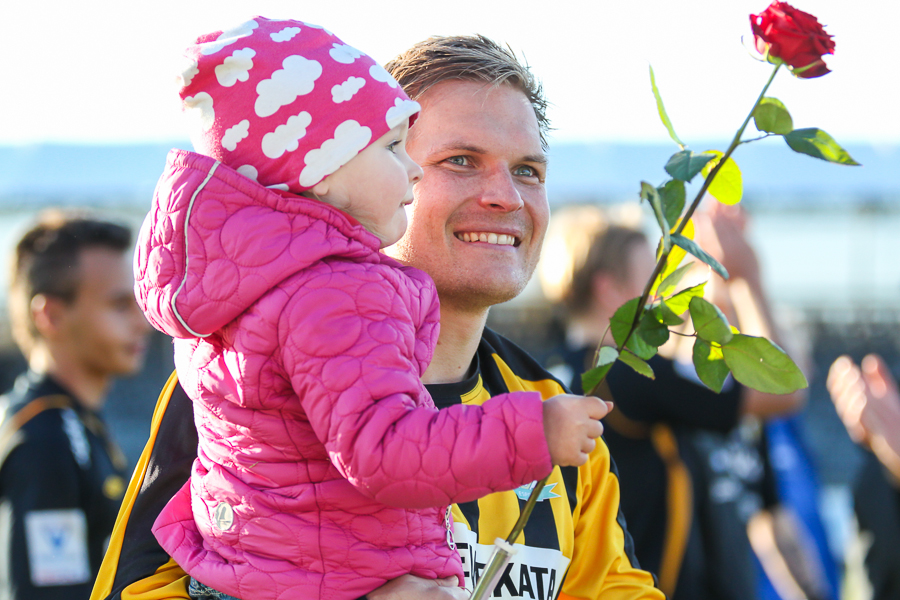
[{"x": 286, "y": 103}]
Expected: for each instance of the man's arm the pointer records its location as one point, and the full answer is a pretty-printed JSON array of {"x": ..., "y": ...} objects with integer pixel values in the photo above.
[{"x": 603, "y": 559}]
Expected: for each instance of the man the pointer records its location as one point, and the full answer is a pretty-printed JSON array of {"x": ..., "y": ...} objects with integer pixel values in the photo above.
[
  {"x": 61, "y": 477},
  {"x": 476, "y": 227}
]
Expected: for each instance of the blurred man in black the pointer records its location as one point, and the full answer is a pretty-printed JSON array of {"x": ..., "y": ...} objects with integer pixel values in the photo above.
[{"x": 75, "y": 319}]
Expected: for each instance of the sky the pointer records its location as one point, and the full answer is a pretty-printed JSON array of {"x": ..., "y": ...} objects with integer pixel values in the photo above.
[{"x": 103, "y": 71}]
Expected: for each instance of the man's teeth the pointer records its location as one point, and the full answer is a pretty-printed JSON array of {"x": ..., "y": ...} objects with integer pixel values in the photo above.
[{"x": 501, "y": 239}]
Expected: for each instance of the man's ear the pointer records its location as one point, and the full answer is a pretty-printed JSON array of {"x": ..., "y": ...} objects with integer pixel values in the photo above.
[{"x": 47, "y": 313}]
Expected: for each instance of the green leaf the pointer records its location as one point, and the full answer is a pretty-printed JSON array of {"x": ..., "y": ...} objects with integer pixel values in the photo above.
[
  {"x": 637, "y": 364},
  {"x": 758, "y": 363},
  {"x": 605, "y": 358},
  {"x": 695, "y": 249},
  {"x": 652, "y": 330},
  {"x": 592, "y": 378},
  {"x": 649, "y": 193},
  {"x": 685, "y": 165},
  {"x": 607, "y": 355},
  {"x": 673, "y": 197},
  {"x": 818, "y": 144},
  {"x": 709, "y": 322},
  {"x": 771, "y": 116},
  {"x": 664, "y": 117},
  {"x": 680, "y": 302},
  {"x": 728, "y": 185},
  {"x": 676, "y": 255},
  {"x": 620, "y": 325},
  {"x": 669, "y": 284},
  {"x": 665, "y": 315},
  {"x": 710, "y": 365}
]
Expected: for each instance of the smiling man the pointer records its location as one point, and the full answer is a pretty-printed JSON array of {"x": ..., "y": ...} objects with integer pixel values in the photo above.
[{"x": 476, "y": 227}]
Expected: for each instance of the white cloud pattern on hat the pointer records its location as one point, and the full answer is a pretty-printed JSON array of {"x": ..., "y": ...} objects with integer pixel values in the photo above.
[
  {"x": 228, "y": 37},
  {"x": 378, "y": 73},
  {"x": 190, "y": 68},
  {"x": 297, "y": 78},
  {"x": 402, "y": 109},
  {"x": 235, "y": 134},
  {"x": 344, "y": 53},
  {"x": 349, "y": 139},
  {"x": 345, "y": 91},
  {"x": 248, "y": 171},
  {"x": 200, "y": 108},
  {"x": 285, "y": 35},
  {"x": 286, "y": 138},
  {"x": 235, "y": 67},
  {"x": 314, "y": 26}
]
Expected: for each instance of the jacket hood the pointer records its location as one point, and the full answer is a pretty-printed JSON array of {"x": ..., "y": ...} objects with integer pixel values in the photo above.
[{"x": 215, "y": 241}]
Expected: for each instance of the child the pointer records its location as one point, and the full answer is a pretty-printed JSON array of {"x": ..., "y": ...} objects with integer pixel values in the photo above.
[{"x": 323, "y": 468}]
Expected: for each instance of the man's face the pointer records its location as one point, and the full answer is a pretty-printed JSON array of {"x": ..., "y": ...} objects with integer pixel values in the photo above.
[
  {"x": 103, "y": 327},
  {"x": 480, "y": 212}
]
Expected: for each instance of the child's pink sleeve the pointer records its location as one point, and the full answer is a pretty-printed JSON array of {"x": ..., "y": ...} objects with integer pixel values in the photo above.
[{"x": 349, "y": 349}]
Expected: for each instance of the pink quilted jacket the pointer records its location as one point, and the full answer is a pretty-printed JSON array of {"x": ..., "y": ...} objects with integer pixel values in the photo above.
[{"x": 323, "y": 469}]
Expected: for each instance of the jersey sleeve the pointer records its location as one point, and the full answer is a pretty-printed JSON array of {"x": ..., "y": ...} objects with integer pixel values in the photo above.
[
  {"x": 358, "y": 380},
  {"x": 47, "y": 544},
  {"x": 603, "y": 562}
]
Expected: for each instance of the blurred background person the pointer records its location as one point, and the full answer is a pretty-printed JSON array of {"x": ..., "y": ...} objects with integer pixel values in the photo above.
[
  {"x": 694, "y": 471},
  {"x": 867, "y": 401},
  {"x": 62, "y": 477}
]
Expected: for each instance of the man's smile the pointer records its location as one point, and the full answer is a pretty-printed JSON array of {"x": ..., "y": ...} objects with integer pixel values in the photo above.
[{"x": 500, "y": 239}]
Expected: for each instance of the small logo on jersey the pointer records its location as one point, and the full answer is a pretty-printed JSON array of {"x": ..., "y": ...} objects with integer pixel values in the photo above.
[
  {"x": 524, "y": 491},
  {"x": 223, "y": 516}
]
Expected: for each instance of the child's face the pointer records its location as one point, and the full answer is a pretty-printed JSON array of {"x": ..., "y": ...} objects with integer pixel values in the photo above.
[{"x": 376, "y": 185}]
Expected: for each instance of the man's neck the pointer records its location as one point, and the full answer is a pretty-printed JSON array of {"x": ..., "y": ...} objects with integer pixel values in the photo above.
[
  {"x": 460, "y": 335},
  {"x": 88, "y": 388}
]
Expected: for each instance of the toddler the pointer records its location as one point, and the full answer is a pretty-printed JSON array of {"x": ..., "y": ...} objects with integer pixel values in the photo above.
[{"x": 323, "y": 469}]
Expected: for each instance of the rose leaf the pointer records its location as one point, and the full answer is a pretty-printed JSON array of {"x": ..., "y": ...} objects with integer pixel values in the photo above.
[
  {"x": 771, "y": 116},
  {"x": 710, "y": 365},
  {"x": 664, "y": 117},
  {"x": 758, "y": 363},
  {"x": 637, "y": 364},
  {"x": 709, "y": 322},
  {"x": 728, "y": 185},
  {"x": 695, "y": 249},
  {"x": 818, "y": 144},
  {"x": 685, "y": 165}
]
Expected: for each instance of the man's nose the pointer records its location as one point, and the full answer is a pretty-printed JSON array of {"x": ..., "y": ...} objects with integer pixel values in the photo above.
[{"x": 500, "y": 192}]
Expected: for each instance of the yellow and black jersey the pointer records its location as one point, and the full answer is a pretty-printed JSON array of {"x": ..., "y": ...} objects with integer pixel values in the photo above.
[{"x": 574, "y": 546}]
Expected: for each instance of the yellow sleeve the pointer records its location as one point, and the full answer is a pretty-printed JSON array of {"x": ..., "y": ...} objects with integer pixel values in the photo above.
[{"x": 600, "y": 565}]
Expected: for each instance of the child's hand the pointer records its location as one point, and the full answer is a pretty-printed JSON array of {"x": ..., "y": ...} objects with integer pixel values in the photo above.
[
  {"x": 571, "y": 424},
  {"x": 410, "y": 587}
]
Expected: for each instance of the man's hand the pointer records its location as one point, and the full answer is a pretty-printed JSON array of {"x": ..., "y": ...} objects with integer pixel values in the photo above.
[
  {"x": 410, "y": 587},
  {"x": 571, "y": 425}
]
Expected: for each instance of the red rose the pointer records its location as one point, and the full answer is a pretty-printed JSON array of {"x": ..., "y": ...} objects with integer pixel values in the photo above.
[{"x": 793, "y": 36}]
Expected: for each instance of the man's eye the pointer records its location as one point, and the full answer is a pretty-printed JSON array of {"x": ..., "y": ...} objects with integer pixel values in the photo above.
[
  {"x": 458, "y": 160},
  {"x": 526, "y": 171}
]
